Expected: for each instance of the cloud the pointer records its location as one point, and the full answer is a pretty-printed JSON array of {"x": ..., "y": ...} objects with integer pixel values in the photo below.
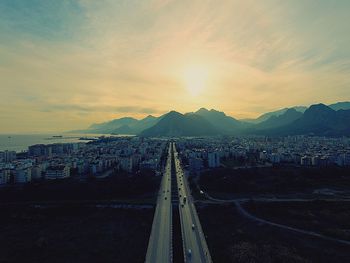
[
  {"x": 108, "y": 109},
  {"x": 83, "y": 61}
]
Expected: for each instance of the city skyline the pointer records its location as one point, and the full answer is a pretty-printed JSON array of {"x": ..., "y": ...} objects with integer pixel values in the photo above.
[{"x": 68, "y": 64}]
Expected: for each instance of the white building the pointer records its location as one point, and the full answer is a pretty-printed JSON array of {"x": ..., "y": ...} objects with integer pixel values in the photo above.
[
  {"x": 23, "y": 175},
  {"x": 149, "y": 164},
  {"x": 305, "y": 161},
  {"x": 315, "y": 160},
  {"x": 126, "y": 163},
  {"x": 275, "y": 158},
  {"x": 9, "y": 156},
  {"x": 213, "y": 159},
  {"x": 37, "y": 171},
  {"x": 58, "y": 172},
  {"x": 4, "y": 176},
  {"x": 263, "y": 155},
  {"x": 96, "y": 166}
]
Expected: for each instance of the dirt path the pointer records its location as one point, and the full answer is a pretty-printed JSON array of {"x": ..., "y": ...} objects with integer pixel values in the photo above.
[{"x": 246, "y": 214}]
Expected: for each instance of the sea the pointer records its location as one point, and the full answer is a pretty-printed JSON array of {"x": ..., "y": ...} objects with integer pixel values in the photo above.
[{"x": 20, "y": 142}]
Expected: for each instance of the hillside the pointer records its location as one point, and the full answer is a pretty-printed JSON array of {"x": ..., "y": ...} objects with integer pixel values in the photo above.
[{"x": 176, "y": 124}]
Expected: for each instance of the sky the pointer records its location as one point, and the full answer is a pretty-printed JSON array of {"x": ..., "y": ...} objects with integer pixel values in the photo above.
[{"x": 70, "y": 63}]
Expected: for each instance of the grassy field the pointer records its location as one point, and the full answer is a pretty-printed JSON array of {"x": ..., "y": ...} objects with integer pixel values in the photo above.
[
  {"x": 275, "y": 180},
  {"x": 328, "y": 218},
  {"x": 74, "y": 233},
  {"x": 232, "y": 238},
  {"x": 142, "y": 187}
]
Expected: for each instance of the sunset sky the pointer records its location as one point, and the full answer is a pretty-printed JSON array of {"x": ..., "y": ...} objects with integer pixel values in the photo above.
[{"x": 65, "y": 64}]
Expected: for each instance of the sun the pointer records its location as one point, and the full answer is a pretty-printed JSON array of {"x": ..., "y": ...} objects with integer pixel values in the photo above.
[{"x": 195, "y": 79}]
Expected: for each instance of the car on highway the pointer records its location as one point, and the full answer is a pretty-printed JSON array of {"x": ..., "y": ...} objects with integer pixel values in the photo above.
[
  {"x": 192, "y": 226},
  {"x": 189, "y": 253}
]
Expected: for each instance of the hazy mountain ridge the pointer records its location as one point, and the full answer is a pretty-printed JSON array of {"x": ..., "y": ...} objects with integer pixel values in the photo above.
[
  {"x": 287, "y": 117},
  {"x": 125, "y": 125},
  {"x": 335, "y": 106},
  {"x": 318, "y": 119},
  {"x": 176, "y": 124},
  {"x": 219, "y": 119},
  {"x": 276, "y": 113},
  {"x": 111, "y": 126},
  {"x": 345, "y": 105}
]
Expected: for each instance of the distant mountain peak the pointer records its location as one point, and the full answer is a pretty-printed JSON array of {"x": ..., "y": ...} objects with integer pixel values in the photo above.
[
  {"x": 205, "y": 110},
  {"x": 218, "y": 112},
  {"x": 318, "y": 105},
  {"x": 316, "y": 108},
  {"x": 276, "y": 113},
  {"x": 173, "y": 113},
  {"x": 344, "y": 105},
  {"x": 290, "y": 110},
  {"x": 149, "y": 117},
  {"x": 289, "y": 116},
  {"x": 202, "y": 110},
  {"x": 127, "y": 118},
  {"x": 176, "y": 124}
]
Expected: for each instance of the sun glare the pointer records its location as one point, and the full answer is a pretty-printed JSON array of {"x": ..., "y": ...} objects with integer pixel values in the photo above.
[{"x": 195, "y": 79}]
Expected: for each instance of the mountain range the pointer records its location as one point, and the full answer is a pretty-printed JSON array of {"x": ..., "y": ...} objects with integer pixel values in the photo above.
[
  {"x": 276, "y": 113},
  {"x": 176, "y": 124},
  {"x": 318, "y": 119},
  {"x": 126, "y": 125}
]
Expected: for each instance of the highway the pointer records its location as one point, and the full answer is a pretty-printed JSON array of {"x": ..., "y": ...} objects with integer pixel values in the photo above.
[
  {"x": 160, "y": 242},
  {"x": 194, "y": 243}
]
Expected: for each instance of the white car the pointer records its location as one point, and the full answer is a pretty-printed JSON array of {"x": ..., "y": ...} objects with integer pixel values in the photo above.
[
  {"x": 189, "y": 253},
  {"x": 192, "y": 226}
]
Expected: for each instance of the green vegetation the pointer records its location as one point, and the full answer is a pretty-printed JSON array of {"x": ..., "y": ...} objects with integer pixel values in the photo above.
[
  {"x": 233, "y": 238},
  {"x": 74, "y": 233},
  {"x": 134, "y": 188},
  {"x": 274, "y": 180},
  {"x": 329, "y": 218}
]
